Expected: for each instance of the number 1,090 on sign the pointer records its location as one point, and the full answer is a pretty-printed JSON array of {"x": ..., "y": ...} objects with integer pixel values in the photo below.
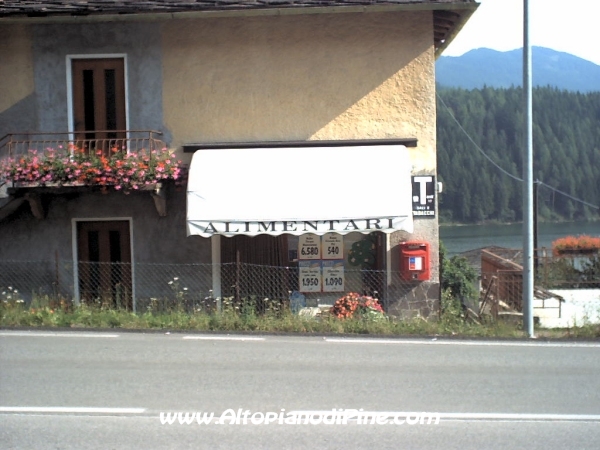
[{"x": 334, "y": 281}]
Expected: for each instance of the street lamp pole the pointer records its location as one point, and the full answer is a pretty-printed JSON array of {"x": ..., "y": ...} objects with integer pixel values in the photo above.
[{"x": 527, "y": 181}]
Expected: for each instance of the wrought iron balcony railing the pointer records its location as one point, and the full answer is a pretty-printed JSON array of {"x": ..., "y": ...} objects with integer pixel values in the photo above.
[{"x": 18, "y": 144}]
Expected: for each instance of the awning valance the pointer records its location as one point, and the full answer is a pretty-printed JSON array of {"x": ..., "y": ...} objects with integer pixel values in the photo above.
[{"x": 299, "y": 190}]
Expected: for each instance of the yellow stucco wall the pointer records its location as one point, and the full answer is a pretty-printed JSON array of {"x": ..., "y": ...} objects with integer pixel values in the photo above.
[
  {"x": 298, "y": 77},
  {"x": 339, "y": 76},
  {"x": 16, "y": 65}
]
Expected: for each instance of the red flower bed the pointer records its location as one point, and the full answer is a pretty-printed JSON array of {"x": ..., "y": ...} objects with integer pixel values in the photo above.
[
  {"x": 353, "y": 303},
  {"x": 576, "y": 244},
  {"x": 123, "y": 170}
]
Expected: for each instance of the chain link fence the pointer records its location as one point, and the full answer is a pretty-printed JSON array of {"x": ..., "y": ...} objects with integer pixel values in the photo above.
[{"x": 166, "y": 287}]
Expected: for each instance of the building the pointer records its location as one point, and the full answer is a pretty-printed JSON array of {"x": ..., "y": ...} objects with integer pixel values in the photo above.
[{"x": 331, "y": 102}]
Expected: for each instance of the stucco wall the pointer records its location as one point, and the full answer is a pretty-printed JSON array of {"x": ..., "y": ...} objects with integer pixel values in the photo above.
[
  {"x": 36, "y": 256},
  {"x": 33, "y": 73},
  {"x": 155, "y": 239},
  {"x": 344, "y": 76},
  {"x": 139, "y": 41},
  {"x": 17, "y": 103}
]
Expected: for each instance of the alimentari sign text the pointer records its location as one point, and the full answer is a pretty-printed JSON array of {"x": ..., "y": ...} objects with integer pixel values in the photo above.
[{"x": 343, "y": 226}]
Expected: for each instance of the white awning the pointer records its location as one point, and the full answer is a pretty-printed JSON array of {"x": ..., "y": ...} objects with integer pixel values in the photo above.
[{"x": 299, "y": 190}]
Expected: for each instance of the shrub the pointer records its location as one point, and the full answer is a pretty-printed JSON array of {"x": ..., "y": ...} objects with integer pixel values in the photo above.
[{"x": 457, "y": 278}]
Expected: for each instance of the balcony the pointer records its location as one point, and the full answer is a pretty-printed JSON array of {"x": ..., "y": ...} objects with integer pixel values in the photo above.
[
  {"x": 52, "y": 163},
  {"x": 105, "y": 141}
]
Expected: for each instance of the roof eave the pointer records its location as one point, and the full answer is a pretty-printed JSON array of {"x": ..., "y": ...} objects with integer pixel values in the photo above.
[
  {"x": 468, "y": 10},
  {"x": 209, "y": 13}
]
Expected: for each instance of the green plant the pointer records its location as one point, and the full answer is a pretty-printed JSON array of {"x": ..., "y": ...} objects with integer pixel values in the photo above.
[
  {"x": 11, "y": 301},
  {"x": 362, "y": 253},
  {"x": 590, "y": 272},
  {"x": 457, "y": 279},
  {"x": 181, "y": 294}
]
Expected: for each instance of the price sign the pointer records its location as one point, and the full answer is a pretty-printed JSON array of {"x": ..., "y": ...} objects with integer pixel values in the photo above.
[
  {"x": 309, "y": 246},
  {"x": 333, "y": 276},
  {"x": 333, "y": 246},
  {"x": 309, "y": 276}
]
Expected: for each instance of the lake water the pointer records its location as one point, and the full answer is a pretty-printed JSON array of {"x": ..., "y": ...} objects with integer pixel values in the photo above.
[{"x": 460, "y": 238}]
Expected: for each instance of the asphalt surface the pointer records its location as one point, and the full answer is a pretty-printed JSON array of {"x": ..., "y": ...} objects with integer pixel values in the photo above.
[{"x": 107, "y": 390}]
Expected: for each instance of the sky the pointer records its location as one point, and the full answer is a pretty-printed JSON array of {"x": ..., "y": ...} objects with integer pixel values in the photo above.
[{"x": 564, "y": 25}]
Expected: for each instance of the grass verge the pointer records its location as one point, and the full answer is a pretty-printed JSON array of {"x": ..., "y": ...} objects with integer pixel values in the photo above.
[{"x": 270, "y": 322}]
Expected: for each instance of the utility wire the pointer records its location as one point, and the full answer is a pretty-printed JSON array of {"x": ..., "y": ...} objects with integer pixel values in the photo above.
[
  {"x": 475, "y": 143},
  {"x": 567, "y": 195},
  {"x": 485, "y": 155}
]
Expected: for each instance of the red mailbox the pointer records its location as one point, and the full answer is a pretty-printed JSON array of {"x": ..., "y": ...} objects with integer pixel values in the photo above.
[{"x": 414, "y": 261}]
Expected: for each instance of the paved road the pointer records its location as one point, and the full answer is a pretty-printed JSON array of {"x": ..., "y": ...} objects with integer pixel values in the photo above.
[{"x": 106, "y": 390}]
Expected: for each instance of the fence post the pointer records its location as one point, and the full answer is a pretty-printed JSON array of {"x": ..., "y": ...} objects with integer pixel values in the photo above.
[
  {"x": 215, "y": 242},
  {"x": 57, "y": 282},
  {"x": 132, "y": 277}
]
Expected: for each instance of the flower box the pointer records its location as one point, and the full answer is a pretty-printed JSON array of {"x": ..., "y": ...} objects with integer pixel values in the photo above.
[
  {"x": 576, "y": 245},
  {"x": 75, "y": 167}
]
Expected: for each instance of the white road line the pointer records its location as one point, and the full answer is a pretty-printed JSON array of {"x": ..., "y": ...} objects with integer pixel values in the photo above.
[
  {"x": 469, "y": 343},
  {"x": 34, "y": 334},
  {"x": 69, "y": 409},
  {"x": 509, "y": 417},
  {"x": 521, "y": 417},
  {"x": 224, "y": 338}
]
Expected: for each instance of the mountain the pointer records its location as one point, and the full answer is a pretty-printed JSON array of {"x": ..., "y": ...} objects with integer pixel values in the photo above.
[{"x": 485, "y": 67}]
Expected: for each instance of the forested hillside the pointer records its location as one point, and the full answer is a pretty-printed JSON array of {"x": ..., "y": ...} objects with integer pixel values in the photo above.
[{"x": 566, "y": 145}]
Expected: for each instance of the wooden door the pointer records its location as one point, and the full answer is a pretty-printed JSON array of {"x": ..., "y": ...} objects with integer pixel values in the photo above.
[
  {"x": 99, "y": 103},
  {"x": 104, "y": 265}
]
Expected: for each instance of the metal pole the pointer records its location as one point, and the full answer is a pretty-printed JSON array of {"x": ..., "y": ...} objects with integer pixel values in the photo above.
[
  {"x": 527, "y": 181},
  {"x": 536, "y": 255}
]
